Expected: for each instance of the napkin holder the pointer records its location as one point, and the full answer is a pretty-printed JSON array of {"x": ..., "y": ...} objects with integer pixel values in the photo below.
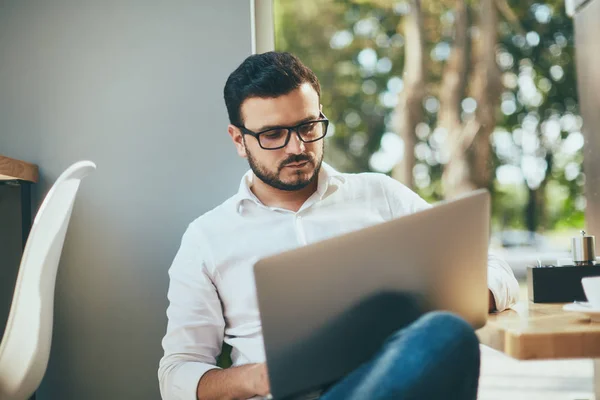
[
  {"x": 558, "y": 284},
  {"x": 562, "y": 283}
]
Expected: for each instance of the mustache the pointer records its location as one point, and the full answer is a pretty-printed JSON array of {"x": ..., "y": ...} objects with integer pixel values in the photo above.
[{"x": 296, "y": 158}]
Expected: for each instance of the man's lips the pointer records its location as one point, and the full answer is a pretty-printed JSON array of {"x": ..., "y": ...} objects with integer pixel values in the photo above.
[{"x": 297, "y": 165}]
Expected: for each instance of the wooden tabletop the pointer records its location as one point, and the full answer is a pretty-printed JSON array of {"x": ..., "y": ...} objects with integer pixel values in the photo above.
[
  {"x": 541, "y": 331},
  {"x": 11, "y": 169}
]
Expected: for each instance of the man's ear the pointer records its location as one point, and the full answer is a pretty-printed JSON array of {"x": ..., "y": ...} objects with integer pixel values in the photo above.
[{"x": 238, "y": 140}]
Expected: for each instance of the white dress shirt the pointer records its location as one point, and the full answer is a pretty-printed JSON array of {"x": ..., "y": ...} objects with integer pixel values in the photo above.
[{"x": 212, "y": 293}]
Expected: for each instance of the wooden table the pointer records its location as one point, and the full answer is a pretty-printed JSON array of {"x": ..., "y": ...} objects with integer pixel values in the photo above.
[
  {"x": 23, "y": 174},
  {"x": 543, "y": 331}
]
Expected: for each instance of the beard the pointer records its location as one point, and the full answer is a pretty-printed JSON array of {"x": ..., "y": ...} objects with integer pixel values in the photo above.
[{"x": 273, "y": 179}]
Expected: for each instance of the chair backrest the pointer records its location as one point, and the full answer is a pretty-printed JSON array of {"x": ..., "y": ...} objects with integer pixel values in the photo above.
[{"x": 25, "y": 346}]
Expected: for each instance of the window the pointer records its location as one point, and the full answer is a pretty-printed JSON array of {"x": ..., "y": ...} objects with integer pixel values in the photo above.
[{"x": 449, "y": 98}]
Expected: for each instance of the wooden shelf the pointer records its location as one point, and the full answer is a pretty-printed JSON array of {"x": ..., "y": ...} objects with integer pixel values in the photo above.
[{"x": 11, "y": 169}]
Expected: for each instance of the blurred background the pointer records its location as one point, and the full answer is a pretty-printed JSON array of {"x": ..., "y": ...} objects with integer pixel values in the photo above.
[{"x": 450, "y": 96}]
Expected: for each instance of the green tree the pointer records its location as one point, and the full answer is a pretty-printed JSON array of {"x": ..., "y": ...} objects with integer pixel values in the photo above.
[{"x": 494, "y": 103}]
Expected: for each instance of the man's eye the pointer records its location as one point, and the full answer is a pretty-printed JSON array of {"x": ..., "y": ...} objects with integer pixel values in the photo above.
[
  {"x": 274, "y": 134},
  {"x": 308, "y": 128}
]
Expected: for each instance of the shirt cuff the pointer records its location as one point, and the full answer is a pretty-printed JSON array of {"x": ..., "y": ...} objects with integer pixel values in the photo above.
[
  {"x": 186, "y": 378},
  {"x": 501, "y": 290}
]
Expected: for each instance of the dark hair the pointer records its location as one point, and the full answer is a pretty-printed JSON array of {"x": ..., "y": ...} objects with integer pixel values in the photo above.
[{"x": 266, "y": 75}]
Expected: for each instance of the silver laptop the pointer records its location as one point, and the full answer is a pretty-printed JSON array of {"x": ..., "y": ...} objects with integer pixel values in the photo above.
[{"x": 328, "y": 307}]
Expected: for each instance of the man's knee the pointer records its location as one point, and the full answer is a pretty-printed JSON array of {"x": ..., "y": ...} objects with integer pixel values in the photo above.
[
  {"x": 443, "y": 328},
  {"x": 448, "y": 321},
  {"x": 450, "y": 328}
]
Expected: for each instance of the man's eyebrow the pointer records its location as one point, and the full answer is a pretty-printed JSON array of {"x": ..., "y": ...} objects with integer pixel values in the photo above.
[{"x": 310, "y": 118}]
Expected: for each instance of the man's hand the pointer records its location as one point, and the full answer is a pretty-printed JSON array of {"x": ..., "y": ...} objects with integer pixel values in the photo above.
[
  {"x": 258, "y": 379},
  {"x": 491, "y": 302},
  {"x": 241, "y": 382}
]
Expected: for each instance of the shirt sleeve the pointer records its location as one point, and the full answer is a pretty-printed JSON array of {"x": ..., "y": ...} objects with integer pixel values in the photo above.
[
  {"x": 195, "y": 326},
  {"x": 502, "y": 282},
  {"x": 501, "y": 279}
]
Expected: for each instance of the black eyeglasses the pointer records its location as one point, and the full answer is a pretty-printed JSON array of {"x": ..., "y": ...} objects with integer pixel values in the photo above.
[{"x": 278, "y": 138}]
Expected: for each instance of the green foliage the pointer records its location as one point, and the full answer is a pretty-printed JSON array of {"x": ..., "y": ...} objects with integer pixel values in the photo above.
[{"x": 356, "y": 48}]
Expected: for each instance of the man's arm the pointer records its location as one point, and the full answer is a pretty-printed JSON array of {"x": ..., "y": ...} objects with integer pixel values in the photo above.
[
  {"x": 491, "y": 301},
  {"x": 196, "y": 326},
  {"x": 502, "y": 282},
  {"x": 234, "y": 383}
]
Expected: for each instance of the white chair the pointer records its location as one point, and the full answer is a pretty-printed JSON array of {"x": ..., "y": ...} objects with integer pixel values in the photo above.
[{"x": 25, "y": 346}]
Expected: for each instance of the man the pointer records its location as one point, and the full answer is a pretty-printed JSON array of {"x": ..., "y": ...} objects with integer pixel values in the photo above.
[{"x": 291, "y": 198}]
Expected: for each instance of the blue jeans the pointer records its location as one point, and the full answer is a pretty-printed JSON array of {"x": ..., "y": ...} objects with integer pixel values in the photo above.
[{"x": 436, "y": 357}]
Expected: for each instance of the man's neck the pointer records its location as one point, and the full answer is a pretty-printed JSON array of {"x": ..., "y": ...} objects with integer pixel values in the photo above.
[{"x": 288, "y": 200}]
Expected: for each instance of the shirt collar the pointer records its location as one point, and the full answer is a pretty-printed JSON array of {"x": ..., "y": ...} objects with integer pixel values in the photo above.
[{"x": 328, "y": 178}]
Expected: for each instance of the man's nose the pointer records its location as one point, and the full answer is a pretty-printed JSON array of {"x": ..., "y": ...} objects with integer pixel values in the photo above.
[{"x": 295, "y": 145}]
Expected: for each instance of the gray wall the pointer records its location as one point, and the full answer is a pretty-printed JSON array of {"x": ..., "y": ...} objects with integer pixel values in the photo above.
[{"x": 135, "y": 86}]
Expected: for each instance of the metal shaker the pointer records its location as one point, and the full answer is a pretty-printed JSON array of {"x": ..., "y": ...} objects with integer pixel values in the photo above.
[{"x": 583, "y": 249}]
